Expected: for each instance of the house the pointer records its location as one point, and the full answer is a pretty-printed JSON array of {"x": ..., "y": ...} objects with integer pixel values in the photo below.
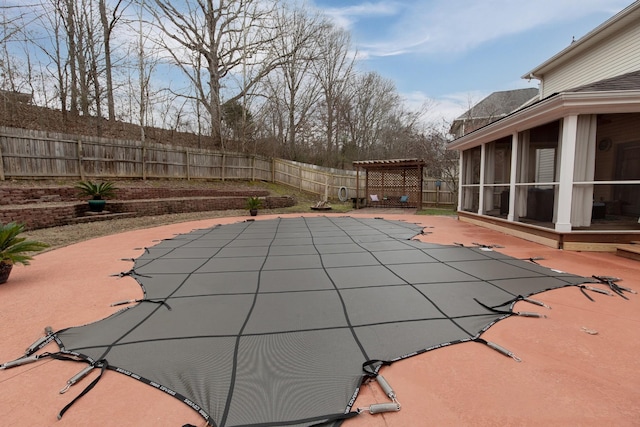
[
  {"x": 490, "y": 109},
  {"x": 10, "y": 96},
  {"x": 564, "y": 170}
]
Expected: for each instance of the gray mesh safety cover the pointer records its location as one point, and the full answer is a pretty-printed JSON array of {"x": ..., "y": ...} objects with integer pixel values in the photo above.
[{"x": 269, "y": 323}]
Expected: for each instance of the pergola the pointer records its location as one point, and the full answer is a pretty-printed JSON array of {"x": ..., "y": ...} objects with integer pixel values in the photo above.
[{"x": 394, "y": 183}]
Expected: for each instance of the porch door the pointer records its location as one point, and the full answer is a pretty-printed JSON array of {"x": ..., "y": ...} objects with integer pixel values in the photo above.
[{"x": 628, "y": 168}]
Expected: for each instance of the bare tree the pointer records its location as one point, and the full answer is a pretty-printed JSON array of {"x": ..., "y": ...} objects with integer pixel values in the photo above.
[
  {"x": 92, "y": 74},
  {"x": 333, "y": 69},
  {"x": 272, "y": 115},
  {"x": 67, "y": 11},
  {"x": 82, "y": 53},
  {"x": 292, "y": 88},
  {"x": 223, "y": 36},
  {"x": 9, "y": 29},
  {"x": 84, "y": 44},
  {"x": 141, "y": 95},
  {"x": 108, "y": 24},
  {"x": 373, "y": 106},
  {"x": 14, "y": 29},
  {"x": 16, "y": 67},
  {"x": 50, "y": 41},
  {"x": 11, "y": 21},
  {"x": 252, "y": 75}
]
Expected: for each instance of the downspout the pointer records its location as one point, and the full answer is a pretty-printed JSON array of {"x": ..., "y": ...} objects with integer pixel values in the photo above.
[{"x": 532, "y": 76}]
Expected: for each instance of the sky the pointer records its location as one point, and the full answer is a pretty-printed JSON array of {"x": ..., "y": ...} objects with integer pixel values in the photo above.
[{"x": 453, "y": 53}]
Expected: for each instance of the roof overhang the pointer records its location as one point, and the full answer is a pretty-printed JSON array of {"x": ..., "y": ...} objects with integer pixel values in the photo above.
[
  {"x": 550, "y": 109},
  {"x": 628, "y": 16}
]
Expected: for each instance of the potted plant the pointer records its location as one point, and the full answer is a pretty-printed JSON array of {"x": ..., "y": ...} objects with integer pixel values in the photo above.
[
  {"x": 14, "y": 249},
  {"x": 98, "y": 191},
  {"x": 253, "y": 204}
]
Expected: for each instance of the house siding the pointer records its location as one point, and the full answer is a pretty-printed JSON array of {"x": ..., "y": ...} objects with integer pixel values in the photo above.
[{"x": 616, "y": 55}]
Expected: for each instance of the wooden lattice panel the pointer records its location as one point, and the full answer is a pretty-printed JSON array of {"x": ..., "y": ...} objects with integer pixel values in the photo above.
[{"x": 391, "y": 184}]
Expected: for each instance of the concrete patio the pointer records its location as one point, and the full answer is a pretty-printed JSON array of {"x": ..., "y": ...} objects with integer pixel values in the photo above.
[{"x": 579, "y": 365}]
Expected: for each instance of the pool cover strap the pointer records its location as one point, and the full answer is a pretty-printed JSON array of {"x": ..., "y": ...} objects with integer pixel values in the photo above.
[
  {"x": 591, "y": 288},
  {"x": 371, "y": 367},
  {"x": 509, "y": 312},
  {"x": 103, "y": 365},
  {"x": 129, "y": 301},
  {"x": 332, "y": 418},
  {"x": 493, "y": 309},
  {"x": 130, "y": 273},
  {"x": 614, "y": 286}
]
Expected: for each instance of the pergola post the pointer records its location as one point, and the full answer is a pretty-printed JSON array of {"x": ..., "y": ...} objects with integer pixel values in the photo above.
[
  {"x": 421, "y": 175},
  {"x": 366, "y": 184},
  {"x": 357, "y": 187}
]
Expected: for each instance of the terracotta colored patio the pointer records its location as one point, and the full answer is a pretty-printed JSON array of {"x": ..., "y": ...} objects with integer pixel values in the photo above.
[{"x": 580, "y": 366}]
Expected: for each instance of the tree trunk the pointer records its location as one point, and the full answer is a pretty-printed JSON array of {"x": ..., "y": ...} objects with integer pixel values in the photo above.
[
  {"x": 71, "y": 37},
  {"x": 107, "y": 27}
]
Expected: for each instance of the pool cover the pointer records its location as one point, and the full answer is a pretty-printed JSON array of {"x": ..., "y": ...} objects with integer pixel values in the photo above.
[{"x": 270, "y": 323}]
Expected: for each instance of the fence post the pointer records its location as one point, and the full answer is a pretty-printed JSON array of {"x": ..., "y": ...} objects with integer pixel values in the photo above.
[
  {"x": 273, "y": 170},
  {"x": 224, "y": 162},
  {"x": 144, "y": 164},
  {"x": 300, "y": 174},
  {"x": 2, "y": 161},
  {"x": 253, "y": 168},
  {"x": 186, "y": 152},
  {"x": 80, "y": 167}
]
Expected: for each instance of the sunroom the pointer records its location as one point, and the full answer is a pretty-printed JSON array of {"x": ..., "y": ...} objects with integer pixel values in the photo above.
[{"x": 564, "y": 171}]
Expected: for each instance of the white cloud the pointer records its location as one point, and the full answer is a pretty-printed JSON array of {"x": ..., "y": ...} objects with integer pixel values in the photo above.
[
  {"x": 442, "y": 110},
  {"x": 450, "y": 106},
  {"x": 347, "y": 16},
  {"x": 445, "y": 26},
  {"x": 367, "y": 9}
]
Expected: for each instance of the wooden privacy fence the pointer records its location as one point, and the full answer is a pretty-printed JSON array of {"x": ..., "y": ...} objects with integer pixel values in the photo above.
[
  {"x": 316, "y": 179},
  {"x": 30, "y": 154},
  {"x": 436, "y": 192}
]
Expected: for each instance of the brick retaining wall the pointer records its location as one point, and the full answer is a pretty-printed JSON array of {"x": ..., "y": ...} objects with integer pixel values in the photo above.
[
  {"x": 28, "y": 195},
  {"x": 195, "y": 204},
  {"x": 43, "y": 214}
]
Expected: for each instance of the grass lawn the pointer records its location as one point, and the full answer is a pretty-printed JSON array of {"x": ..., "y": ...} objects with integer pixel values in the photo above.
[{"x": 437, "y": 211}]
